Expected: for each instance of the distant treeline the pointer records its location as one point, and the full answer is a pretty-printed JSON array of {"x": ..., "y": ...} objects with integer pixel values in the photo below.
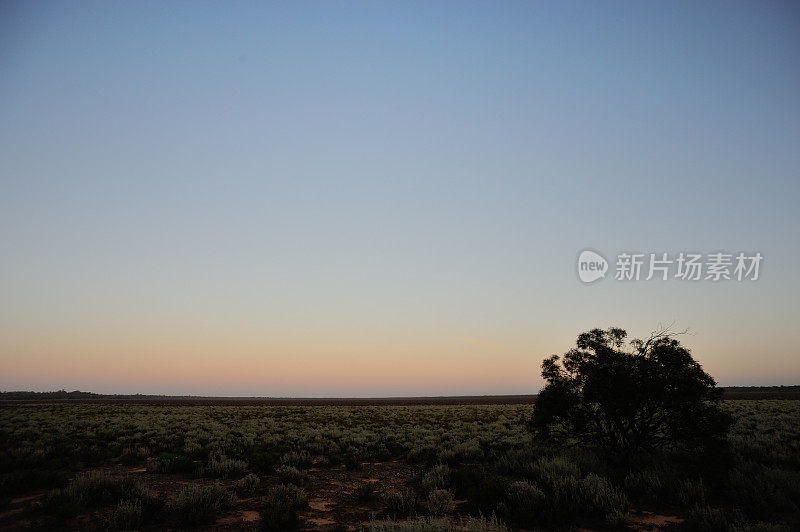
[
  {"x": 732, "y": 392},
  {"x": 63, "y": 394},
  {"x": 763, "y": 389}
]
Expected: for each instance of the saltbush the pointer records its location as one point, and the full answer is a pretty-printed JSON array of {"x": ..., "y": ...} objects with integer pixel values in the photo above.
[
  {"x": 400, "y": 503},
  {"x": 440, "y": 502},
  {"x": 279, "y": 508},
  {"x": 248, "y": 485},
  {"x": 201, "y": 505}
]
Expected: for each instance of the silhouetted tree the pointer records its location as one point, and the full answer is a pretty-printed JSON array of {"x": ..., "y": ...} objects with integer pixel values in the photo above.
[{"x": 648, "y": 396}]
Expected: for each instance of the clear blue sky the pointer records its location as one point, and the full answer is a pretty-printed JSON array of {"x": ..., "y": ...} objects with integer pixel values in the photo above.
[{"x": 377, "y": 198}]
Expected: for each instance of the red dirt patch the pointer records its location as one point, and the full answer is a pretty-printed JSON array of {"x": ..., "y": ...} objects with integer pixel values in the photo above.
[
  {"x": 333, "y": 492},
  {"x": 644, "y": 520}
]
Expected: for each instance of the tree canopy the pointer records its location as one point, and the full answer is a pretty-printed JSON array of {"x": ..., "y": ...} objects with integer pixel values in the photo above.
[{"x": 640, "y": 396}]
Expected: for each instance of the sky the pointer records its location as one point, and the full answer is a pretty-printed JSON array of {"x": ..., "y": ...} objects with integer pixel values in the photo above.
[{"x": 346, "y": 199}]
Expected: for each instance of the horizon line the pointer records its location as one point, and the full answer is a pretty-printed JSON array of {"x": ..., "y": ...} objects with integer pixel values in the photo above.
[{"x": 328, "y": 397}]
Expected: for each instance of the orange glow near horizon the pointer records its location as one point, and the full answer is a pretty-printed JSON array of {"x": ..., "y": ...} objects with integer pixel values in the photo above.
[{"x": 308, "y": 366}]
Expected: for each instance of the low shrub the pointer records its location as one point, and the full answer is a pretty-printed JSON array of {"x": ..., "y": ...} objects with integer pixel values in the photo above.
[
  {"x": 224, "y": 467},
  {"x": 481, "y": 486},
  {"x": 465, "y": 451},
  {"x": 764, "y": 492},
  {"x": 571, "y": 500},
  {"x": 194, "y": 450},
  {"x": 439, "y": 524},
  {"x": 709, "y": 519},
  {"x": 365, "y": 492},
  {"x": 171, "y": 463},
  {"x": 92, "y": 490},
  {"x": 760, "y": 527},
  {"x": 523, "y": 505},
  {"x": 400, "y": 503},
  {"x": 692, "y": 493},
  {"x": 418, "y": 524},
  {"x": 127, "y": 515},
  {"x": 279, "y": 508},
  {"x": 28, "y": 479},
  {"x": 248, "y": 485},
  {"x": 291, "y": 475},
  {"x": 201, "y": 505},
  {"x": 602, "y": 500},
  {"x": 352, "y": 461},
  {"x": 551, "y": 471},
  {"x": 134, "y": 455},
  {"x": 440, "y": 502},
  {"x": 262, "y": 458},
  {"x": 647, "y": 486},
  {"x": 300, "y": 460},
  {"x": 437, "y": 477}
]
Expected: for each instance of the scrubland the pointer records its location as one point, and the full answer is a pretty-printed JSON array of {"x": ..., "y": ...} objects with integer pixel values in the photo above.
[{"x": 469, "y": 467}]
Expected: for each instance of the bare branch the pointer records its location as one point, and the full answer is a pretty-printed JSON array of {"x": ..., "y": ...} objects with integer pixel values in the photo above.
[{"x": 662, "y": 332}]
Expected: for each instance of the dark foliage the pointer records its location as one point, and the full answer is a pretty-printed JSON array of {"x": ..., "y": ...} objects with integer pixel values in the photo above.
[
  {"x": 279, "y": 508},
  {"x": 201, "y": 505},
  {"x": 481, "y": 486},
  {"x": 171, "y": 463},
  {"x": 651, "y": 396}
]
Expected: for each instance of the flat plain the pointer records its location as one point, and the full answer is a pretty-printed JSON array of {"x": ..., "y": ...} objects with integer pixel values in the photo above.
[{"x": 384, "y": 466}]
